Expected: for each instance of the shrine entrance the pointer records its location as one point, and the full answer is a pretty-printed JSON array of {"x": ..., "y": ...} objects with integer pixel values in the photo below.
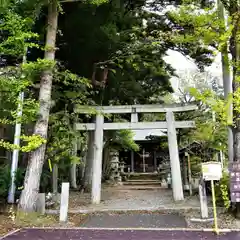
[{"x": 170, "y": 125}]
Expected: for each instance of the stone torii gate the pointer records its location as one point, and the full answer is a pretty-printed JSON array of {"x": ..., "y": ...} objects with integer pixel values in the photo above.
[{"x": 99, "y": 126}]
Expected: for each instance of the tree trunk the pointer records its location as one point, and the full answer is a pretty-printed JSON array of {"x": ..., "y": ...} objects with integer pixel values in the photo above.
[
  {"x": 235, "y": 51},
  {"x": 32, "y": 178},
  {"x": 87, "y": 180},
  {"x": 227, "y": 82},
  {"x": 106, "y": 162},
  {"x": 81, "y": 169},
  {"x": 73, "y": 176}
]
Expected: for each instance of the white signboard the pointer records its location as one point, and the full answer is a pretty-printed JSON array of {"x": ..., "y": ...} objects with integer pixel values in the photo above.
[{"x": 212, "y": 171}]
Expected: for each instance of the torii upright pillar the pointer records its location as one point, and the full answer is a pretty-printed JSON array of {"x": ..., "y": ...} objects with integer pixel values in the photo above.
[
  {"x": 97, "y": 161},
  {"x": 174, "y": 158}
]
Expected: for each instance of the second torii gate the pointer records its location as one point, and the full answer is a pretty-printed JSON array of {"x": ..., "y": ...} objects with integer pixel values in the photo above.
[{"x": 170, "y": 124}]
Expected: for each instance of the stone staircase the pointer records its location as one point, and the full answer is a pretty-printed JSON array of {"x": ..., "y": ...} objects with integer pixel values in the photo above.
[{"x": 143, "y": 181}]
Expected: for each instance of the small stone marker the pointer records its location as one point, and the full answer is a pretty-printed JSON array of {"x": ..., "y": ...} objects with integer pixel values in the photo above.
[
  {"x": 203, "y": 200},
  {"x": 64, "y": 202},
  {"x": 41, "y": 202}
]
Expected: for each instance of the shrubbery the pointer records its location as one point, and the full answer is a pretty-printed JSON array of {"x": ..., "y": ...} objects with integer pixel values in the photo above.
[
  {"x": 223, "y": 191},
  {"x": 5, "y": 181}
]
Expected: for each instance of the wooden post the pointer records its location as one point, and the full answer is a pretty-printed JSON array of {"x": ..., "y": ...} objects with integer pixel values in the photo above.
[
  {"x": 97, "y": 163},
  {"x": 64, "y": 202},
  {"x": 155, "y": 161},
  {"x": 174, "y": 158},
  {"x": 185, "y": 172},
  {"x": 144, "y": 168},
  {"x": 132, "y": 161},
  {"x": 189, "y": 174},
  {"x": 55, "y": 178},
  {"x": 41, "y": 203}
]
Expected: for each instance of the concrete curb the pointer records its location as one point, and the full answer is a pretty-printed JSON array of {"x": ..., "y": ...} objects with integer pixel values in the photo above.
[
  {"x": 10, "y": 233},
  {"x": 137, "y": 229},
  {"x": 122, "y": 229},
  {"x": 89, "y": 211}
]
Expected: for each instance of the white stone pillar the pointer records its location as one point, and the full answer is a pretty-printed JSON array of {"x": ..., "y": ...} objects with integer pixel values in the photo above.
[
  {"x": 97, "y": 162},
  {"x": 134, "y": 119},
  {"x": 64, "y": 202},
  {"x": 174, "y": 158}
]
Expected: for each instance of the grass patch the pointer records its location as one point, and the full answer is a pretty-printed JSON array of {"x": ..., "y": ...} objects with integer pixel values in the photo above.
[
  {"x": 34, "y": 219},
  {"x": 11, "y": 219}
]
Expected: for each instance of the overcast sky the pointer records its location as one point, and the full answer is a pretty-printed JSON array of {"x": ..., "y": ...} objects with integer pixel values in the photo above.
[{"x": 182, "y": 64}]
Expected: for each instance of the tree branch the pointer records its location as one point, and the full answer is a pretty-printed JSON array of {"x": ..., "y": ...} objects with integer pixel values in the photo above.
[{"x": 69, "y": 1}]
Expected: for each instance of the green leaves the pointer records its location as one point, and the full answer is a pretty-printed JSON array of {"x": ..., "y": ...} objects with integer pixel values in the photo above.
[
  {"x": 125, "y": 139},
  {"x": 16, "y": 35},
  {"x": 31, "y": 143}
]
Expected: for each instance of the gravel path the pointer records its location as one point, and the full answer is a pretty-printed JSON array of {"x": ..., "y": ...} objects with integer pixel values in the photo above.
[
  {"x": 120, "y": 198},
  {"x": 77, "y": 234},
  {"x": 135, "y": 220}
]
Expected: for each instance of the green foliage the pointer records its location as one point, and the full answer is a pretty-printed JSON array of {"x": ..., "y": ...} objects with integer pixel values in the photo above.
[
  {"x": 32, "y": 142},
  {"x": 15, "y": 39},
  {"x": 17, "y": 32},
  {"x": 125, "y": 139},
  {"x": 5, "y": 180},
  {"x": 98, "y": 2},
  {"x": 218, "y": 105},
  {"x": 62, "y": 137},
  {"x": 223, "y": 191},
  {"x": 31, "y": 69},
  {"x": 69, "y": 90}
]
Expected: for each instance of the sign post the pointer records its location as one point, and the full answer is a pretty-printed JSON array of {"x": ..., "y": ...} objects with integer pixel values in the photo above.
[{"x": 212, "y": 171}]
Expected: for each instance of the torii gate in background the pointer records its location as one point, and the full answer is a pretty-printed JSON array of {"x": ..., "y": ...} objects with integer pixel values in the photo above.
[{"x": 99, "y": 126}]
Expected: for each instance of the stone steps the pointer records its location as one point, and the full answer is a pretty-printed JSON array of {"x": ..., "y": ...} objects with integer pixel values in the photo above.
[
  {"x": 144, "y": 176},
  {"x": 141, "y": 187},
  {"x": 142, "y": 182}
]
